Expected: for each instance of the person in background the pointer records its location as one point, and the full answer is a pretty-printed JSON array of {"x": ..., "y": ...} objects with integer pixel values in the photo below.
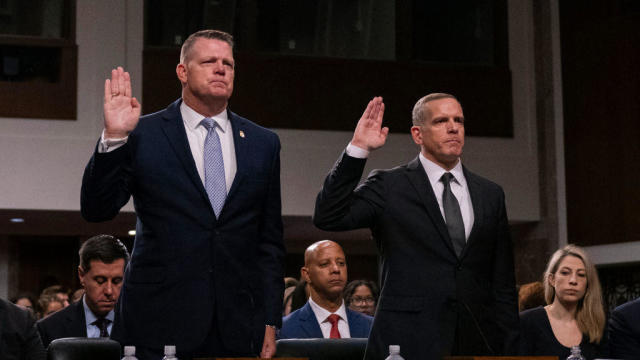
[
  {"x": 48, "y": 304},
  {"x": 624, "y": 331},
  {"x": 531, "y": 295},
  {"x": 19, "y": 339},
  {"x": 103, "y": 259},
  {"x": 361, "y": 296},
  {"x": 25, "y": 301},
  {"x": 325, "y": 314},
  {"x": 77, "y": 295},
  {"x": 574, "y": 315},
  {"x": 59, "y": 292},
  {"x": 300, "y": 295}
]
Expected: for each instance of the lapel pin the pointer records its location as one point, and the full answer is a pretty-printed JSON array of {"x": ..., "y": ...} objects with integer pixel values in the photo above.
[{"x": 241, "y": 133}]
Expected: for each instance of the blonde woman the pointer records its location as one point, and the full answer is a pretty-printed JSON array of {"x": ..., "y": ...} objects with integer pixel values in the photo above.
[{"x": 574, "y": 314}]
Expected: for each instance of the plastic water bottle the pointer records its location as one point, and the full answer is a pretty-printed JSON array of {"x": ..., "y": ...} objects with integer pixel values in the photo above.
[
  {"x": 129, "y": 353},
  {"x": 394, "y": 353},
  {"x": 576, "y": 353},
  {"x": 169, "y": 352}
]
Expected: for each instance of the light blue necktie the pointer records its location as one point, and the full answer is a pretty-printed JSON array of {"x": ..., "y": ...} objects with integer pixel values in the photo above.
[{"x": 214, "y": 178}]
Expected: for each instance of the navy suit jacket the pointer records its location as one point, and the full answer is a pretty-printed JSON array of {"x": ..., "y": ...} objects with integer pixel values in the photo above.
[
  {"x": 19, "y": 338},
  {"x": 302, "y": 324},
  {"x": 188, "y": 269},
  {"x": 68, "y": 322},
  {"x": 426, "y": 289},
  {"x": 624, "y": 331}
]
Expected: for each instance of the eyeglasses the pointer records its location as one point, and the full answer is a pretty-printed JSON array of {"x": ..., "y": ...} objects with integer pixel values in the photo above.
[{"x": 360, "y": 300}]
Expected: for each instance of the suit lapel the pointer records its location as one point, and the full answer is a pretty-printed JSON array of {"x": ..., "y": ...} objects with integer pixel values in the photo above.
[
  {"x": 475, "y": 191},
  {"x": 309, "y": 323},
  {"x": 173, "y": 127},
  {"x": 420, "y": 181},
  {"x": 241, "y": 141},
  {"x": 355, "y": 329},
  {"x": 76, "y": 322}
]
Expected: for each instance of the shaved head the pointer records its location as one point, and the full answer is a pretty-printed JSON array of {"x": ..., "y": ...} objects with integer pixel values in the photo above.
[
  {"x": 313, "y": 249},
  {"x": 325, "y": 270}
]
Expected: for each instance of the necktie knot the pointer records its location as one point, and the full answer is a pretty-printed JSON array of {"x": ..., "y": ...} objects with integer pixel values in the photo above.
[
  {"x": 446, "y": 178},
  {"x": 333, "y": 319},
  {"x": 102, "y": 324},
  {"x": 208, "y": 123}
]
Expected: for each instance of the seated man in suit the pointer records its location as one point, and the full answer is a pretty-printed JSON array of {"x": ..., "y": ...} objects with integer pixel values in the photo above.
[
  {"x": 18, "y": 336},
  {"x": 624, "y": 331},
  {"x": 325, "y": 314},
  {"x": 103, "y": 259}
]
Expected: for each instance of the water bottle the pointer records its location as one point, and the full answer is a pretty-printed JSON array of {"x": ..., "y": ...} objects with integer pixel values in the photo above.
[
  {"x": 576, "y": 354},
  {"x": 129, "y": 353},
  {"x": 169, "y": 352},
  {"x": 394, "y": 353}
]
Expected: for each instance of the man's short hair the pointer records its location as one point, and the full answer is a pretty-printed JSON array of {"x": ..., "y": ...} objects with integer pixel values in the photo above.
[
  {"x": 419, "y": 109},
  {"x": 105, "y": 248},
  {"x": 205, "y": 34}
]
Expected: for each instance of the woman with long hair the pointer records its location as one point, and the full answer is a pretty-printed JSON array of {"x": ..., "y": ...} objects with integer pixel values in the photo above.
[{"x": 574, "y": 314}]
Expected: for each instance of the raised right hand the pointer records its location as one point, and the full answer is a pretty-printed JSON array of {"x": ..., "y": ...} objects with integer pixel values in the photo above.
[
  {"x": 121, "y": 111},
  {"x": 369, "y": 133}
]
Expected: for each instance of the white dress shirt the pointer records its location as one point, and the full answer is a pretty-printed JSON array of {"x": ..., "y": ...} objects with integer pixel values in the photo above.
[
  {"x": 196, "y": 134},
  {"x": 322, "y": 314},
  {"x": 93, "y": 331},
  {"x": 434, "y": 172}
]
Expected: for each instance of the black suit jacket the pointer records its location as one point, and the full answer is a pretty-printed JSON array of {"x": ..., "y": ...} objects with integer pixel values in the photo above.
[
  {"x": 68, "y": 322},
  {"x": 188, "y": 267},
  {"x": 624, "y": 331},
  {"x": 426, "y": 289},
  {"x": 19, "y": 338}
]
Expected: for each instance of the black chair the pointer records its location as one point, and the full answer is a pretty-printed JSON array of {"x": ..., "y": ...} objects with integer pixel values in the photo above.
[
  {"x": 80, "y": 348},
  {"x": 322, "y": 349}
]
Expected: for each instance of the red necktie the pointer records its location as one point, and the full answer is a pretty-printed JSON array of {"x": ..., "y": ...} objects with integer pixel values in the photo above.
[{"x": 333, "y": 319}]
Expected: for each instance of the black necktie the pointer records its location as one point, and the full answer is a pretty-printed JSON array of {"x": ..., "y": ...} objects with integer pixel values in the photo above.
[
  {"x": 452, "y": 215},
  {"x": 102, "y": 324}
]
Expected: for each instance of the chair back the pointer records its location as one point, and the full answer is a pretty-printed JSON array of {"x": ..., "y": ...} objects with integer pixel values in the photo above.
[
  {"x": 81, "y": 348},
  {"x": 322, "y": 349}
]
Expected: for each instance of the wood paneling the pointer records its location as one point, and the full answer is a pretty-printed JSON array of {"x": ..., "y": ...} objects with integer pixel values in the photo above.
[{"x": 600, "y": 57}]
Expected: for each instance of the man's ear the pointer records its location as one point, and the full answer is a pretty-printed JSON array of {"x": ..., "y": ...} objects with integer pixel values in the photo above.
[
  {"x": 81, "y": 274},
  {"x": 416, "y": 135},
  {"x": 304, "y": 273},
  {"x": 181, "y": 72}
]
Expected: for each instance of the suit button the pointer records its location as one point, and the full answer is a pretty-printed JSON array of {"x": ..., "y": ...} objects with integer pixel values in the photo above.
[{"x": 459, "y": 268}]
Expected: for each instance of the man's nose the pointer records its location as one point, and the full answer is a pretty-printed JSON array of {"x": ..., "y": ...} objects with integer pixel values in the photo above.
[
  {"x": 219, "y": 68},
  {"x": 108, "y": 288},
  {"x": 453, "y": 125}
]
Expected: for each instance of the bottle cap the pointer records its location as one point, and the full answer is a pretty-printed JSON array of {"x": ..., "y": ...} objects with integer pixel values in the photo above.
[
  {"x": 169, "y": 350},
  {"x": 394, "y": 349},
  {"x": 129, "y": 351}
]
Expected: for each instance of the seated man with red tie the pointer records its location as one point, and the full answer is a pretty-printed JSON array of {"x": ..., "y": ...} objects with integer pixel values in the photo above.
[
  {"x": 103, "y": 259},
  {"x": 325, "y": 314}
]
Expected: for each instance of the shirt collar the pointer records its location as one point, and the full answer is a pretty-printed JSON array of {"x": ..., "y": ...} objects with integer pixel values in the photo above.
[
  {"x": 435, "y": 171},
  {"x": 90, "y": 317},
  {"x": 192, "y": 118},
  {"x": 322, "y": 314}
]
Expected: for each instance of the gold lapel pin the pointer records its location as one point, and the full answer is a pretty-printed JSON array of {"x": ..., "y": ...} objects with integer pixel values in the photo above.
[{"x": 241, "y": 133}]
